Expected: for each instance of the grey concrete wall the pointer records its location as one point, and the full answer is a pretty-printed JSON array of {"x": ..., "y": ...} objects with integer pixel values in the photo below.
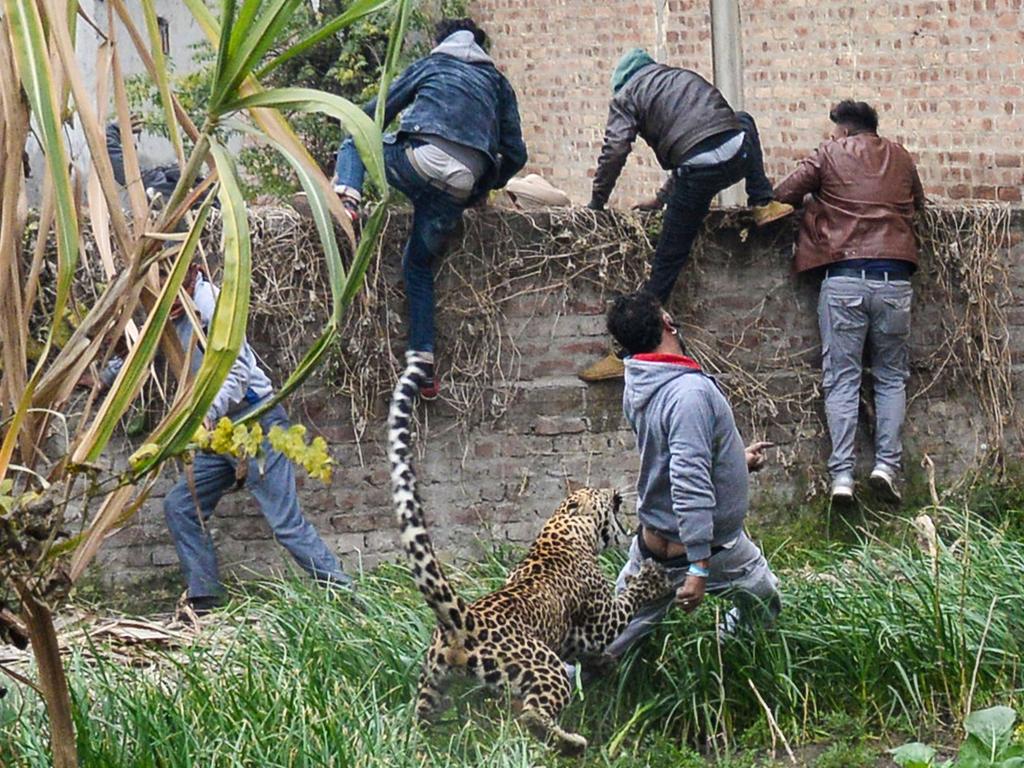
[{"x": 744, "y": 314}]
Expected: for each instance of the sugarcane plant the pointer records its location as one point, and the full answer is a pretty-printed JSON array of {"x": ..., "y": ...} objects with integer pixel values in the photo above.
[{"x": 56, "y": 465}]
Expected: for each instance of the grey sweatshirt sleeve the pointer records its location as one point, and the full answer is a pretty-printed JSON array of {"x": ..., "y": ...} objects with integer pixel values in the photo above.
[{"x": 690, "y": 426}]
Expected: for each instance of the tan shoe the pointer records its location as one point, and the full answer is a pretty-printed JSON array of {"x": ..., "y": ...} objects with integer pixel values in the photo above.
[
  {"x": 769, "y": 212},
  {"x": 608, "y": 367}
]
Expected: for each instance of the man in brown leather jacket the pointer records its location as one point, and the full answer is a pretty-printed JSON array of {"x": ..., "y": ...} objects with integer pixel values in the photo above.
[
  {"x": 859, "y": 193},
  {"x": 700, "y": 140}
]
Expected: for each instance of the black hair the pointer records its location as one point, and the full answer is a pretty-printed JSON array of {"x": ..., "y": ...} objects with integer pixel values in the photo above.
[
  {"x": 446, "y": 27},
  {"x": 635, "y": 321},
  {"x": 858, "y": 115}
]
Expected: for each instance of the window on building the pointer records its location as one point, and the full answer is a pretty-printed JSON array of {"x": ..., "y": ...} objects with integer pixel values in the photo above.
[{"x": 165, "y": 35}]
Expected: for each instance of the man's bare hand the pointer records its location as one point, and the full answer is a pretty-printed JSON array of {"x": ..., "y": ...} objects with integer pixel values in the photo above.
[
  {"x": 691, "y": 594},
  {"x": 755, "y": 455},
  {"x": 650, "y": 204}
]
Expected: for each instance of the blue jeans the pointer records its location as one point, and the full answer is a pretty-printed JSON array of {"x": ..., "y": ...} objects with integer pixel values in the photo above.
[
  {"x": 435, "y": 217},
  {"x": 273, "y": 488},
  {"x": 695, "y": 188}
]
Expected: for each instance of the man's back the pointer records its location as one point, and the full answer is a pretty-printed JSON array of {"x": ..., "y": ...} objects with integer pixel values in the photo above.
[{"x": 864, "y": 191}]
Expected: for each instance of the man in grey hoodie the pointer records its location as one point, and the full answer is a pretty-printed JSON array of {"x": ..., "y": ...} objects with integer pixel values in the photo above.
[{"x": 693, "y": 494}]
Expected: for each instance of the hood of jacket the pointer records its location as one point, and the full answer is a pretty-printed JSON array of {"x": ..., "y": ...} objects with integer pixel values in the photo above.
[
  {"x": 462, "y": 46},
  {"x": 647, "y": 374}
]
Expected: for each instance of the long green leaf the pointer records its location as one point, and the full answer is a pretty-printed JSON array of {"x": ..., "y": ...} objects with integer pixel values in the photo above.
[
  {"x": 322, "y": 218},
  {"x": 29, "y": 43},
  {"x": 395, "y": 40},
  {"x": 162, "y": 81},
  {"x": 272, "y": 122},
  {"x": 130, "y": 377},
  {"x": 353, "y": 13},
  {"x": 227, "y": 23},
  {"x": 226, "y": 333},
  {"x": 259, "y": 38},
  {"x": 364, "y": 133}
]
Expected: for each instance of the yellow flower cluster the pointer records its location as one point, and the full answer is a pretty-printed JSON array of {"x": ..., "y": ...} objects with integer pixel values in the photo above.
[
  {"x": 239, "y": 440},
  {"x": 312, "y": 456},
  {"x": 244, "y": 441}
]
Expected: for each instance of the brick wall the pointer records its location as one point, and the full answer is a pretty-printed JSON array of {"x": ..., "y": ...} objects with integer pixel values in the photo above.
[
  {"x": 946, "y": 77},
  {"x": 498, "y": 480}
]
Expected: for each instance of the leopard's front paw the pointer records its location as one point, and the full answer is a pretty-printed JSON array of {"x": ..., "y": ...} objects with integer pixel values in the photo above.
[{"x": 652, "y": 580}]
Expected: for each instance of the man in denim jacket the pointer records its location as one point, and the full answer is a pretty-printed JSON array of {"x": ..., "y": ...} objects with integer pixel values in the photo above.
[{"x": 459, "y": 137}]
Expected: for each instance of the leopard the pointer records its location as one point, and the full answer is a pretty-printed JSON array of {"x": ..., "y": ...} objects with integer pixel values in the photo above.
[{"x": 554, "y": 607}]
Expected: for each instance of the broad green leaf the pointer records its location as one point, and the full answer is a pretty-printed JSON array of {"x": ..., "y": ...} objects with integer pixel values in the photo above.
[
  {"x": 364, "y": 133},
  {"x": 132, "y": 373},
  {"x": 992, "y": 728},
  {"x": 913, "y": 755},
  {"x": 226, "y": 333},
  {"x": 272, "y": 122},
  {"x": 353, "y": 13}
]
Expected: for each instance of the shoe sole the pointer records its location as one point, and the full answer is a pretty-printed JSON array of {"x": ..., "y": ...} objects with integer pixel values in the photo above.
[
  {"x": 882, "y": 489},
  {"x": 770, "y": 219}
]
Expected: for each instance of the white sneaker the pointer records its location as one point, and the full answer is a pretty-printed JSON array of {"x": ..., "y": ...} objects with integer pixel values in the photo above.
[
  {"x": 883, "y": 482},
  {"x": 842, "y": 488}
]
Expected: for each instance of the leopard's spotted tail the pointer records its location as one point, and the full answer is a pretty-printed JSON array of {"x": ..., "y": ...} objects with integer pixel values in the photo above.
[{"x": 426, "y": 570}]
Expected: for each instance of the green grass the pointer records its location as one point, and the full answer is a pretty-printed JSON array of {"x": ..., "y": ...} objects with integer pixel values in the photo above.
[{"x": 874, "y": 638}]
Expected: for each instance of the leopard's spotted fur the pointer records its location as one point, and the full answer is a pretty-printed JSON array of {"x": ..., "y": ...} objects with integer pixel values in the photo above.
[{"x": 555, "y": 605}]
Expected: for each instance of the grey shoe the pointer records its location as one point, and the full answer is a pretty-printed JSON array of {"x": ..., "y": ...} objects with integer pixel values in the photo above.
[
  {"x": 883, "y": 482},
  {"x": 842, "y": 488}
]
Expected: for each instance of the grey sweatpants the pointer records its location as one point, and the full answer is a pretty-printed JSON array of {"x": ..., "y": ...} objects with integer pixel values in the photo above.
[
  {"x": 851, "y": 312},
  {"x": 740, "y": 573}
]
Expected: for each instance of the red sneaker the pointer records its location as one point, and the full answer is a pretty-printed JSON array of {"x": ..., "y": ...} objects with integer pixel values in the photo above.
[{"x": 429, "y": 386}]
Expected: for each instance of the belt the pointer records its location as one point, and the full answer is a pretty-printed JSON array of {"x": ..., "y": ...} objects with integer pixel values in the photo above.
[
  {"x": 460, "y": 195},
  {"x": 887, "y": 276},
  {"x": 679, "y": 561}
]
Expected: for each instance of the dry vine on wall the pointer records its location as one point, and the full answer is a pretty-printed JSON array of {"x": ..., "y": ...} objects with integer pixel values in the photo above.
[{"x": 562, "y": 256}]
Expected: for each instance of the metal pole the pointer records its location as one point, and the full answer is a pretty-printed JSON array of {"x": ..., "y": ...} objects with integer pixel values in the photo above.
[{"x": 727, "y": 58}]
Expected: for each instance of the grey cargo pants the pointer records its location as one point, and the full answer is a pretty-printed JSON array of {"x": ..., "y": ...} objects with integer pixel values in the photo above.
[
  {"x": 740, "y": 573},
  {"x": 852, "y": 311}
]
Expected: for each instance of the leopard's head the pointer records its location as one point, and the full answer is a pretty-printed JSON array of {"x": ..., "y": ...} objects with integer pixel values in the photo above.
[{"x": 601, "y": 507}]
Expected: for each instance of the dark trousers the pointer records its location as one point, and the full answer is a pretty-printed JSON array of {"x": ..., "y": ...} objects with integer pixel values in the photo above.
[
  {"x": 695, "y": 188},
  {"x": 435, "y": 219}
]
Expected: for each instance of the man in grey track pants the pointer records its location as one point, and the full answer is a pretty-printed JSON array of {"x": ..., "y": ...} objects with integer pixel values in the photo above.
[
  {"x": 693, "y": 483},
  {"x": 857, "y": 231}
]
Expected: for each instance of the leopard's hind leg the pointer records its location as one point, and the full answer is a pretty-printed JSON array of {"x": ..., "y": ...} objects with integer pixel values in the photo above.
[
  {"x": 431, "y": 695},
  {"x": 533, "y": 673}
]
